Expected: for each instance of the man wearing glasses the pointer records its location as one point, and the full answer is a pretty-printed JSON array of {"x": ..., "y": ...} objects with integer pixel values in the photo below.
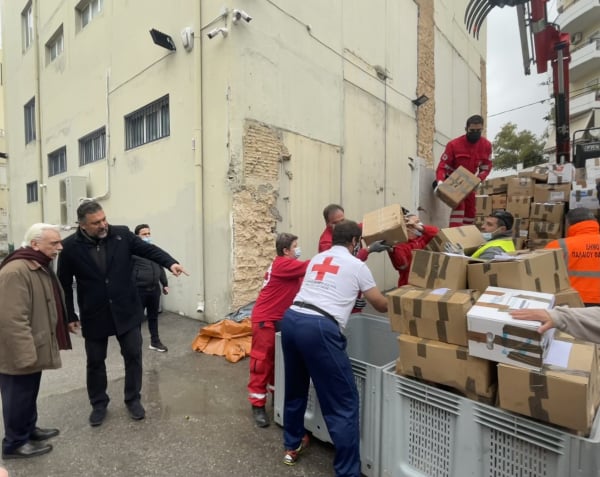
[{"x": 474, "y": 153}]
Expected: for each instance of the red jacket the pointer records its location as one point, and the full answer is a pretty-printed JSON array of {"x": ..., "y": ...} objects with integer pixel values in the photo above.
[
  {"x": 581, "y": 249},
  {"x": 282, "y": 282},
  {"x": 475, "y": 157},
  {"x": 401, "y": 253}
]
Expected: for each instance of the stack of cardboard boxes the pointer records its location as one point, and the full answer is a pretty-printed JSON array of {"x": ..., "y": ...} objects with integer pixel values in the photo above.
[{"x": 455, "y": 332}]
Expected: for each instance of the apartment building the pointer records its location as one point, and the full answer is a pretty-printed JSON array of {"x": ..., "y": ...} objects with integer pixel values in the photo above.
[
  {"x": 220, "y": 123},
  {"x": 581, "y": 19}
]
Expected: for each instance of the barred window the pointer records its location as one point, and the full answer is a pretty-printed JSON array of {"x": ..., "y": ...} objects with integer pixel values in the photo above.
[
  {"x": 147, "y": 124},
  {"x": 57, "y": 161},
  {"x": 32, "y": 192},
  {"x": 92, "y": 147},
  {"x": 29, "y": 112}
]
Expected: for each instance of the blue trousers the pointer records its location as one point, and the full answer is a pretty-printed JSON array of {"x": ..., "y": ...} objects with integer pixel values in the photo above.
[
  {"x": 315, "y": 348},
  {"x": 19, "y": 407}
]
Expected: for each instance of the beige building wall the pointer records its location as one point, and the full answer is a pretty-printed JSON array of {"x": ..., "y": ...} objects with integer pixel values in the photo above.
[{"x": 309, "y": 103}]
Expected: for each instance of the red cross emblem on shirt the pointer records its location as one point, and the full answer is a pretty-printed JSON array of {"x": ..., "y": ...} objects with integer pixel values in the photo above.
[{"x": 325, "y": 267}]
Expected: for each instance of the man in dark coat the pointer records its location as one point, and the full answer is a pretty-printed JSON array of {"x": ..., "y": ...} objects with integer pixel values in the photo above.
[{"x": 99, "y": 256}]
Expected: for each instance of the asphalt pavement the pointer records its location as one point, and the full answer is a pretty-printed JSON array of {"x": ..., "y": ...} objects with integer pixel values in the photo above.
[{"x": 198, "y": 419}]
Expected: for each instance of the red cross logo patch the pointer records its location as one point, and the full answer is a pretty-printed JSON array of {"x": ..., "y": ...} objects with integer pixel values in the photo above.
[{"x": 325, "y": 267}]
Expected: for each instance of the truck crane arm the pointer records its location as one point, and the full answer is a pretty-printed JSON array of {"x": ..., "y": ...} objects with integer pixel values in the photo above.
[{"x": 541, "y": 43}]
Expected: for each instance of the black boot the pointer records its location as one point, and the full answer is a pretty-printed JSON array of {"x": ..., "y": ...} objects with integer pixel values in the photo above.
[{"x": 260, "y": 416}]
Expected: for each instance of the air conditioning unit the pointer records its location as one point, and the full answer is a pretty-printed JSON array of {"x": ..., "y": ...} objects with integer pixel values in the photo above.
[{"x": 72, "y": 190}]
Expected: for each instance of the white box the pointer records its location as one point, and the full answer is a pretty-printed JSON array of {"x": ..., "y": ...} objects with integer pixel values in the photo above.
[
  {"x": 560, "y": 173},
  {"x": 493, "y": 334},
  {"x": 584, "y": 195}
]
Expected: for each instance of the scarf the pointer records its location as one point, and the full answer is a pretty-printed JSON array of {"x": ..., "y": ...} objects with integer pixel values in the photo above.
[{"x": 27, "y": 253}]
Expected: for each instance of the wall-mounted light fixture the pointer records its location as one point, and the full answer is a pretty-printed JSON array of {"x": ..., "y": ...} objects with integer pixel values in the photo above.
[
  {"x": 420, "y": 101},
  {"x": 162, "y": 39},
  {"x": 223, "y": 31}
]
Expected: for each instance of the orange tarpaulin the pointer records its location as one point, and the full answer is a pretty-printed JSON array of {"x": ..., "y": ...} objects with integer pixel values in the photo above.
[{"x": 225, "y": 338}]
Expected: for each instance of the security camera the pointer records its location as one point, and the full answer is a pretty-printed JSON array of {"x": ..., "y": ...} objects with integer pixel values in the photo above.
[
  {"x": 223, "y": 31},
  {"x": 241, "y": 15}
]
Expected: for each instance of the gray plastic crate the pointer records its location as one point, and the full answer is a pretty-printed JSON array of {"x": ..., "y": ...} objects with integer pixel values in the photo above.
[
  {"x": 372, "y": 345},
  {"x": 428, "y": 432}
]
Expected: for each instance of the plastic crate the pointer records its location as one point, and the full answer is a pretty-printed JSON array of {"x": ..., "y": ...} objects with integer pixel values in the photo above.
[
  {"x": 372, "y": 346},
  {"x": 428, "y": 432}
]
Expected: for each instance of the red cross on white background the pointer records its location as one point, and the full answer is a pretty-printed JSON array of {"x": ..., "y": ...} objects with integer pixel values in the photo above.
[{"x": 325, "y": 267}]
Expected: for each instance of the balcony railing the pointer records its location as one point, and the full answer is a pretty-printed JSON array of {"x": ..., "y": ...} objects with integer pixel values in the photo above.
[
  {"x": 585, "y": 60},
  {"x": 578, "y": 15},
  {"x": 584, "y": 102}
]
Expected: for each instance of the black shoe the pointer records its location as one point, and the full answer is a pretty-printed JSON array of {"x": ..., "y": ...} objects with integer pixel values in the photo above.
[
  {"x": 260, "y": 416},
  {"x": 136, "y": 410},
  {"x": 39, "y": 434},
  {"x": 29, "y": 449},
  {"x": 158, "y": 346},
  {"x": 97, "y": 416}
]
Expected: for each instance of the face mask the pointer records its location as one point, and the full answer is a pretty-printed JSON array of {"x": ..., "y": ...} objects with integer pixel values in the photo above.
[
  {"x": 416, "y": 233},
  {"x": 356, "y": 249},
  {"x": 487, "y": 236},
  {"x": 297, "y": 252},
  {"x": 147, "y": 239},
  {"x": 473, "y": 136}
]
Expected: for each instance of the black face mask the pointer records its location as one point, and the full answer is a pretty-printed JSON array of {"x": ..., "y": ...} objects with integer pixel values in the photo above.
[{"x": 473, "y": 136}]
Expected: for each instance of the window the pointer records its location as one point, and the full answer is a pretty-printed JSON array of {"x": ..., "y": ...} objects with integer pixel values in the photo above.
[
  {"x": 30, "y": 121},
  {"x": 57, "y": 161},
  {"x": 55, "y": 45},
  {"x": 88, "y": 10},
  {"x": 27, "y": 26},
  {"x": 147, "y": 124},
  {"x": 32, "y": 192},
  {"x": 92, "y": 147}
]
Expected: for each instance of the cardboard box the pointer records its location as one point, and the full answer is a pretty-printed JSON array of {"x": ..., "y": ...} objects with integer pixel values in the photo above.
[
  {"x": 584, "y": 195},
  {"x": 497, "y": 185},
  {"x": 498, "y": 201},
  {"x": 483, "y": 205},
  {"x": 520, "y": 228},
  {"x": 518, "y": 205},
  {"x": 541, "y": 270},
  {"x": 493, "y": 334},
  {"x": 592, "y": 168},
  {"x": 551, "y": 192},
  {"x": 457, "y": 186},
  {"x": 569, "y": 297},
  {"x": 433, "y": 314},
  {"x": 438, "y": 270},
  {"x": 560, "y": 173},
  {"x": 565, "y": 395},
  {"x": 539, "y": 229},
  {"x": 540, "y": 173},
  {"x": 520, "y": 186},
  {"x": 549, "y": 211},
  {"x": 386, "y": 224},
  {"x": 446, "y": 364},
  {"x": 468, "y": 236}
]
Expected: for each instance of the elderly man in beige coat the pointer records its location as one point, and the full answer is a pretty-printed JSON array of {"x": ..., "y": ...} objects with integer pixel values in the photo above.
[{"x": 32, "y": 330}]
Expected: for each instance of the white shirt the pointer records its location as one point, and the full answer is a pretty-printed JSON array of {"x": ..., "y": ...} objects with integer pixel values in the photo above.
[{"x": 332, "y": 282}]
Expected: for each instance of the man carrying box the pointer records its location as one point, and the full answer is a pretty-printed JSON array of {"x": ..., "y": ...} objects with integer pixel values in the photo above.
[{"x": 473, "y": 152}]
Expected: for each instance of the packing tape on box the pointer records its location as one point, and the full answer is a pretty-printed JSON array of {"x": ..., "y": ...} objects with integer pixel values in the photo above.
[
  {"x": 441, "y": 331},
  {"x": 462, "y": 354},
  {"x": 422, "y": 350},
  {"x": 417, "y": 373},
  {"x": 412, "y": 328},
  {"x": 397, "y": 304},
  {"x": 519, "y": 346},
  {"x": 471, "y": 385},
  {"x": 538, "y": 385}
]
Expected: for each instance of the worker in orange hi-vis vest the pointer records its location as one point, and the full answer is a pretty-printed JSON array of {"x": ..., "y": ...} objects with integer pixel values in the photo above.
[
  {"x": 581, "y": 249},
  {"x": 474, "y": 153}
]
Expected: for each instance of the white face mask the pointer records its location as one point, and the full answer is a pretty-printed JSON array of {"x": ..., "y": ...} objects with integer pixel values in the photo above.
[
  {"x": 297, "y": 252},
  {"x": 147, "y": 239},
  {"x": 488, "y": 235}
]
